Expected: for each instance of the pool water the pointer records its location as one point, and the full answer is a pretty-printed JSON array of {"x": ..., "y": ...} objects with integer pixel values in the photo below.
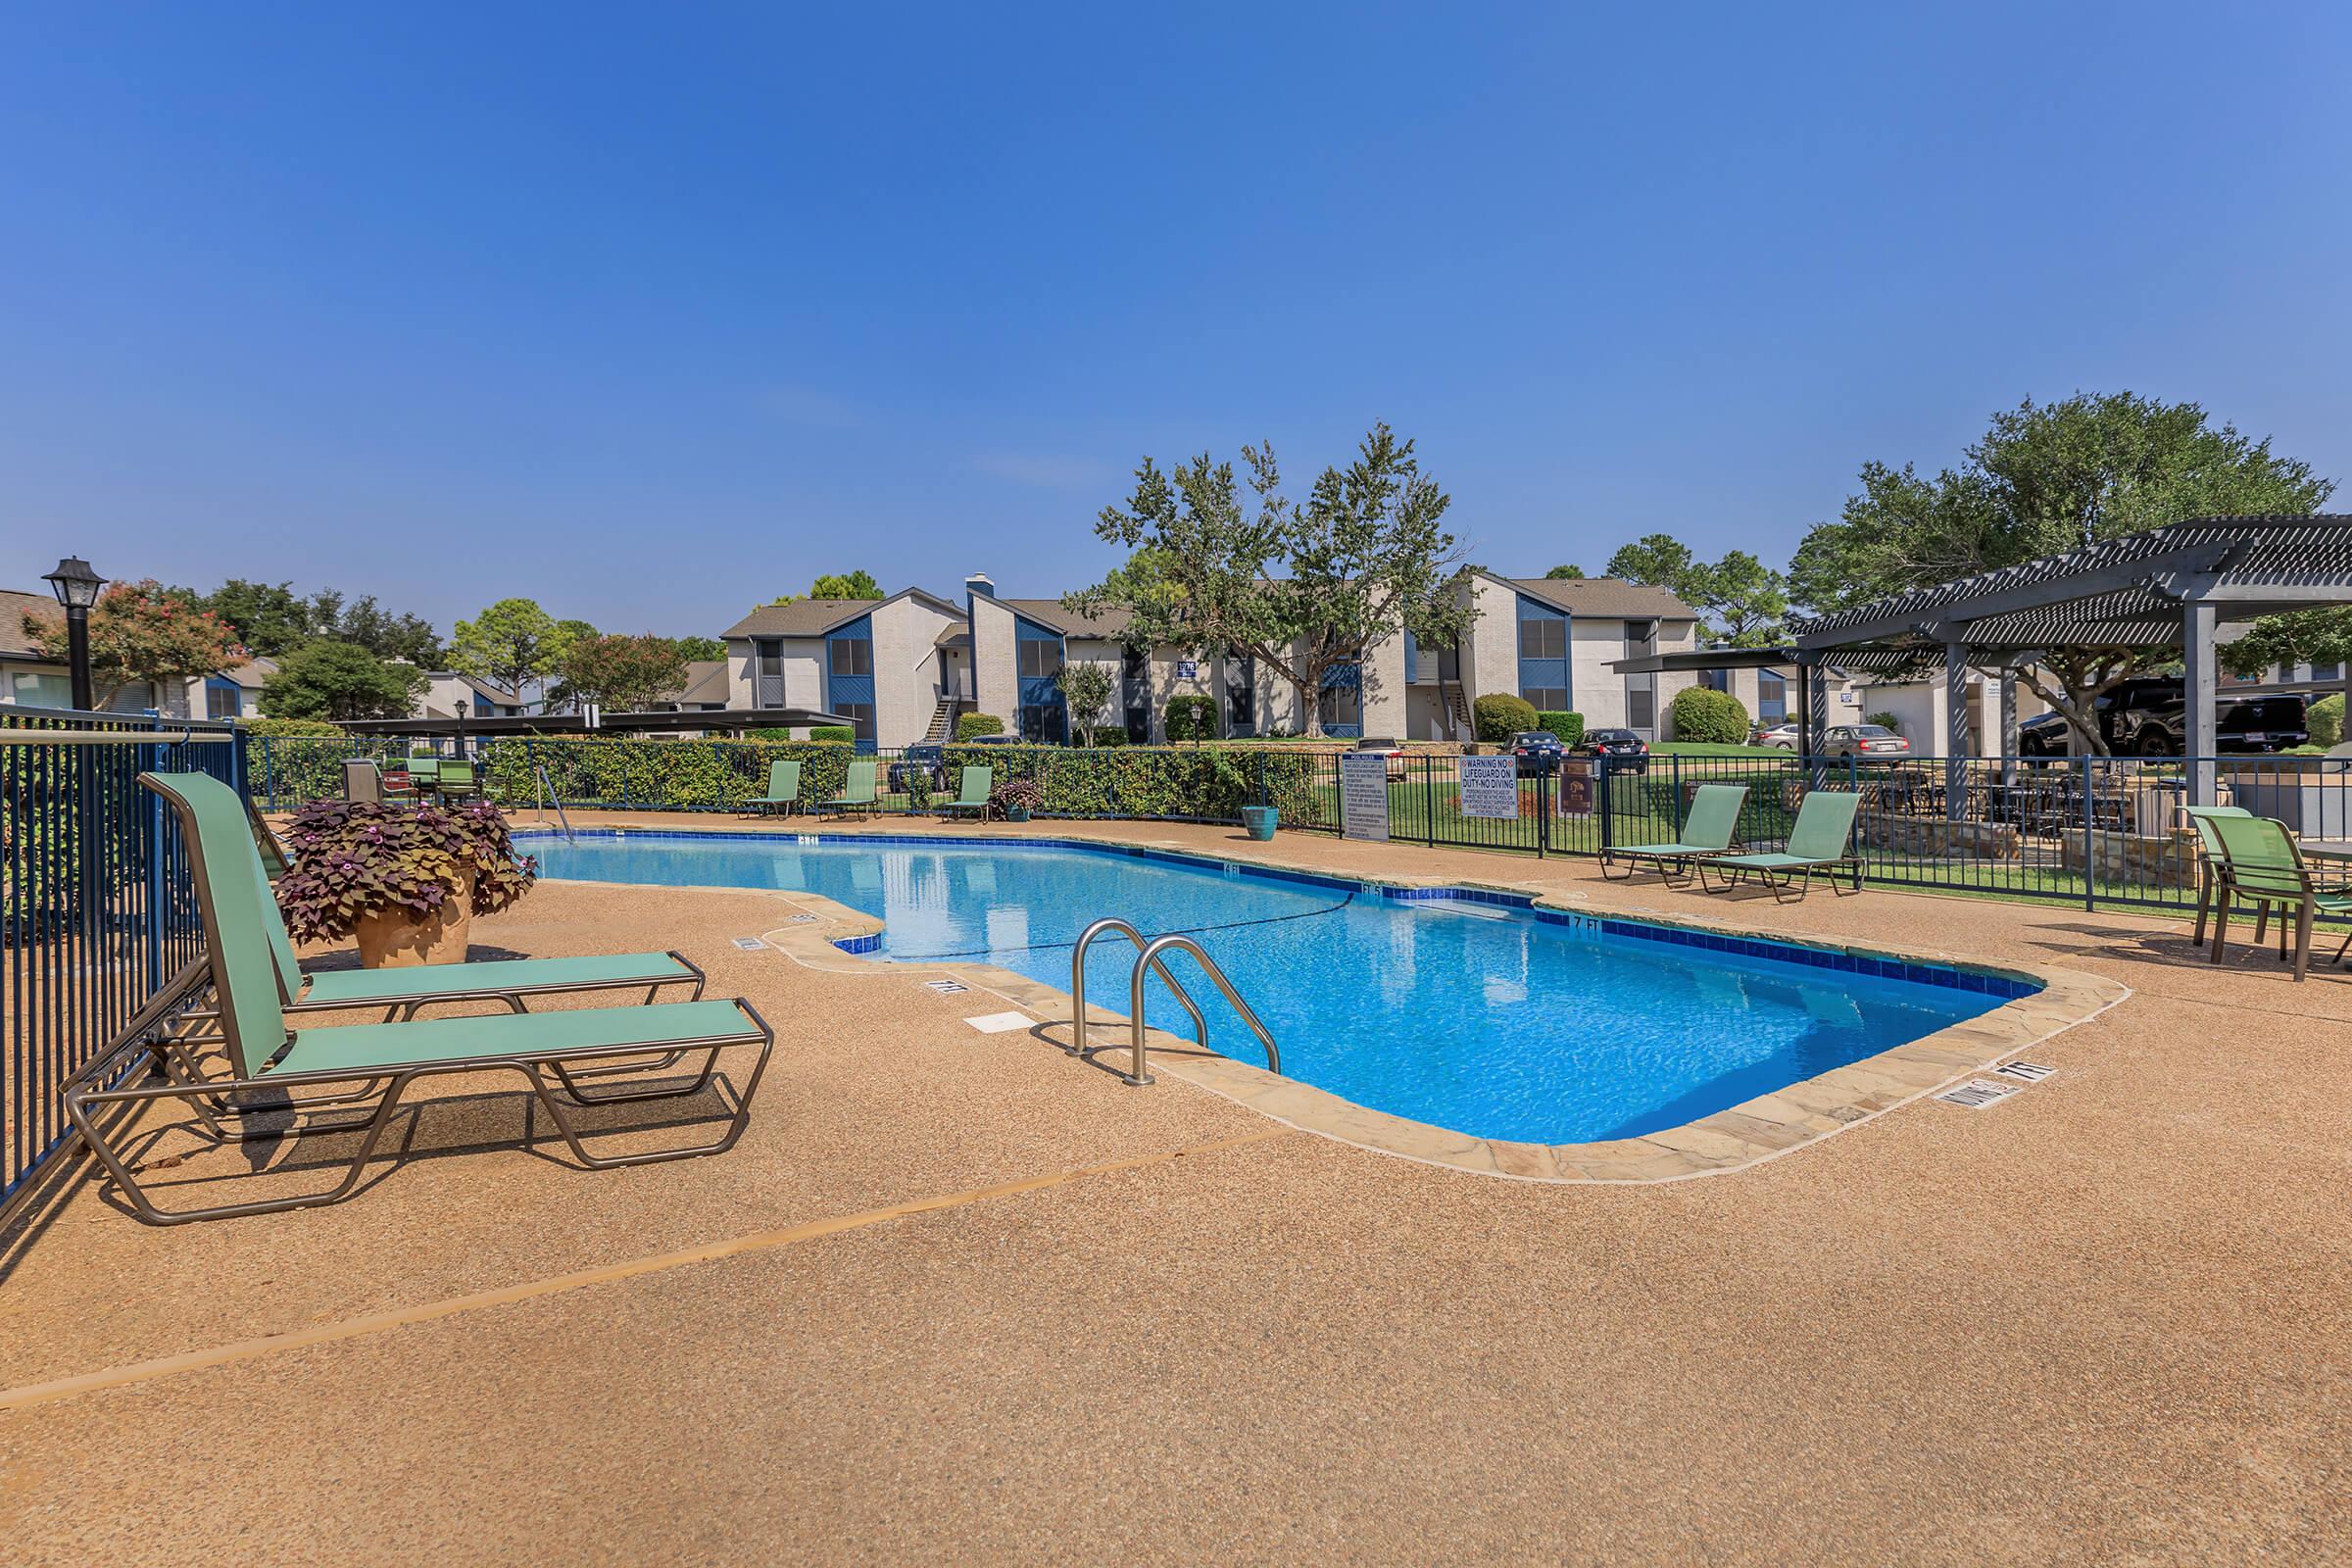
[{"x": 1480, "y": 1016}]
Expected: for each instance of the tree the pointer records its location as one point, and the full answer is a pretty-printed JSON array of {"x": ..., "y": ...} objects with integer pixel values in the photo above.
[
  {"x": 510, "y": 643},
  {"x": 622, "y": 673},
  {"x": 273, "y": 620},
  {"x": 700, "y": 650},
  {"x": 376, "y": 629},
  {"x": 2045, "y": 480},
  {"x": 836, "y": 585},
  {"x": 1566, "y": 574},
  {"x": 1086, "y": 693},
  {"x": 141, "y": 632},
  {"x": 1302, "y": 587},
  {"x": 1660, "y": 561},
  {"x": 2308, "y": 636},
  {"x": 1744, "y": 600},
  {"x": 329, "y": 678},
  {"x": 269, "y": 618}
]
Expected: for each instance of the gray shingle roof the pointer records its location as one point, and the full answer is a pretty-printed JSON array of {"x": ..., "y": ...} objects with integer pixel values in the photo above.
[
  {"x": 803, "y": 617},
  {"x": 1605, "y": 598},
  {"x": 1049, "y": 613},
  {"x": 14, "y": 641}
]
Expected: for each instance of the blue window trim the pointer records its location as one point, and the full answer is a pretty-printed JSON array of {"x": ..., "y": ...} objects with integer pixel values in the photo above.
[
  {"x": 1538, "y": 672},
  {"x": 1039, "y": 691},
  {"x": 859, "y": 688}
]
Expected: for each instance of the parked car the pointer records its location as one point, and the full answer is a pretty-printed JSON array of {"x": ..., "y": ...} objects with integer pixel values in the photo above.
[
  {"x": 995, "y": 740},
  {"x": 1390, "y": 750},
  {"x": 1784, "y": 736},
  {"x": 1869, "y": 742},
  {"x": 919, "y": 761},
  {"x": 1539, "y": 752},
  {"x": 1627, "y": 752},
  {"x": 2150, "y": 718}
]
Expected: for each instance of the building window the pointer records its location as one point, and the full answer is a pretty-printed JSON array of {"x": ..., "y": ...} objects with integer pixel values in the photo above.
[
  {"x": 1342, "y": 708},
  {"x": 1772, "y": 697},
  {"x": 1547, "y": 699},
  {"x": 1542, "y": 637},
  {"x": 1041, "y": 658},
  {"x": 1042, "y": 722},
  {"x": 767, "y": 681},
  {"x": 223, "y": 700},
  {"x": 860, "y": 717},
  {"x": 2328, "y": 671},
  {"x": 853, "y": 655},
  {"x": 43, "y": 691},
  {"x": 1715, "y": 680},
  {"x": 1640, "y": 703}
]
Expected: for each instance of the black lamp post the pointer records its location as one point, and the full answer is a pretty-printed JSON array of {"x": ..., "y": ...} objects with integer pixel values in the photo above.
[{"x": 76, "y": 588}]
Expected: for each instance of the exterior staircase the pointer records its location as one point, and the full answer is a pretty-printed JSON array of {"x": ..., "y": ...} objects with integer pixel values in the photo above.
[
  {"x": 943, "y": 722},
  {"x": 1457, "y": 709}
]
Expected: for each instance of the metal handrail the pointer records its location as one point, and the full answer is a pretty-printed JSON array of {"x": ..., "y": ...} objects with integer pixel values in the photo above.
[
  {"x": 1086, "y": 939},
  {"x": 545, "y": 788},
  {"x": 1148, "y": 958}
]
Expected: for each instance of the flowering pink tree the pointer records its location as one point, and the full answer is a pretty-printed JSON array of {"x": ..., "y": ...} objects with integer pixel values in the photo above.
[{"x": 142, "y": 632}]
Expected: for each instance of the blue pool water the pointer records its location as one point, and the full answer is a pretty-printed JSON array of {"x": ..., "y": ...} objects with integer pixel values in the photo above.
[{"x": 1480, "y": 1016}]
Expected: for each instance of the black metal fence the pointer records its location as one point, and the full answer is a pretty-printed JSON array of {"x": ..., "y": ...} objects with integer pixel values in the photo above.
[{"x": 97, "y": 905}]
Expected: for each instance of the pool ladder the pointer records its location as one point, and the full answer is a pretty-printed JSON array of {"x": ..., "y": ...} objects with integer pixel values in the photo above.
[
  {"x": 1148, "y": 961},
  {"x": 544, "y": 788}
]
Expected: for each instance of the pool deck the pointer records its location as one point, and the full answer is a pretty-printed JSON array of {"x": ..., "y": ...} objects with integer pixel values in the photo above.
[{"x": 956, "y": 1294}]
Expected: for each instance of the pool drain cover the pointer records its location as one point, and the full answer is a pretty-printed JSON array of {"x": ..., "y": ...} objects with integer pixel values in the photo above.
[
  {"x": 800, "y": 919},
  {"x": 750, "y": 944},
  {"x": 1976, "y": 1094},
  {"x": 947, "y": 987},
  {"x": 2029, "y": 1072}
]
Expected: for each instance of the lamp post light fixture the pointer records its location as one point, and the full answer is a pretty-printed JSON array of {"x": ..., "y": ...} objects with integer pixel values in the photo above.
[{"x": 76, "y": 588}]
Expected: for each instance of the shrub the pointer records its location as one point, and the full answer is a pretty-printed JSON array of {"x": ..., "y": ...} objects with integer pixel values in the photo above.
[
  {"x": 1697, "y": 714},
  {"x": 1192, "y": 718},
  {"x": 1883, "y": 717},
  {"x": 1499, "y": 715},
  {"x": 833, "y": 733},
  {"x": 351, "y": 858},
  {"x": 1108, "y": 735},
  {"x": 1009, "y": 793},
  {"x": 2326, "y": 720},
  {"x": 1569, "y": 727},
  {"x": 968, "y": 725},
  {"x": 283, "y": 728}
]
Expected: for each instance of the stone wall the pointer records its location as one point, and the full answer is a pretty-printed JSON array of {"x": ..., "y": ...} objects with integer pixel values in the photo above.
[
  {"x": 2167, "y": 861},
  {"x": 1934, "y": 836}
]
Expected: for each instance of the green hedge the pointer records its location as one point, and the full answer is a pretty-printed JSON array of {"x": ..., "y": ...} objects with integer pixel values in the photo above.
[
  {"x": 968, "y": 725},
  {"x": 1569, "y": 727},
  {"x": 833, "y": 732},
  {"x": 2325, "y": 717},
  {"x": 1211, "y": 782},
  {"x": 1192, "y": 718}
]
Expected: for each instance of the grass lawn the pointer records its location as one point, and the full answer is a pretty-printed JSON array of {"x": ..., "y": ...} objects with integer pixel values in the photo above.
[{"x": 1712, "y": 748}]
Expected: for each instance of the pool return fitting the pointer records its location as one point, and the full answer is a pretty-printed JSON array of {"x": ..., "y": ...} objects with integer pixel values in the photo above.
[{"x": 1148, "y": 960}]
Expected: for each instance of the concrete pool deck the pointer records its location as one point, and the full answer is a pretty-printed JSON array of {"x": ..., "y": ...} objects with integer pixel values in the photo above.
[{"x": 958, "y": 1294}]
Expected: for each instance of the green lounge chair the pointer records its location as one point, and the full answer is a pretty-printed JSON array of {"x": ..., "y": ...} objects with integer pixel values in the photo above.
[
  {"x": 1820, "y": 843},
  {"x": 1707, "y": 831},
  {"x": 783, "y": 791},
  {"x": 2211, "y": 842},
  {"x": 971, "y": 792},
  {"x": 457, "y": 781},
  {"x": 267, "y": 1057},
  {"x": 2261, "y": 866},
  {"x": 858, "y": 792},
  {"x": 403, "y": 993}
]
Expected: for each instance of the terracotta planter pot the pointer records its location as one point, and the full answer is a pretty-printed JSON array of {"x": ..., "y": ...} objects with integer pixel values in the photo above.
[{"x": 397, "y": 938}]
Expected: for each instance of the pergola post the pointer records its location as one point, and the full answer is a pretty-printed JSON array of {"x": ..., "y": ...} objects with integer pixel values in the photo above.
[
  {"x": 2009, "y": 721},
  {"x": 2197, "y": 690},
  {"x": 1814, "y": 701},
  {"x": 1955, "y": 729}
]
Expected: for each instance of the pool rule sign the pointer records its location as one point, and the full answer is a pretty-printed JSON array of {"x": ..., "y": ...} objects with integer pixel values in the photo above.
[
  {"x": 1490, "y": 786},
  {"x": 1363, "y": 795}
]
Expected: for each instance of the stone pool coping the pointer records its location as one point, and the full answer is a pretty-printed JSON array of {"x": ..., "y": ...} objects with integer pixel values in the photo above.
[{"x": 1765, "y": 1127}]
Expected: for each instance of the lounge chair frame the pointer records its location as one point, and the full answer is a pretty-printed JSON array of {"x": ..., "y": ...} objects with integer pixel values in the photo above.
[
  {"x": 1674, "y": 863},
  {"x": 2293, "y": 888},
  {"x": 1788, "y": 873},
  {"x": 215, "y": 1102}
]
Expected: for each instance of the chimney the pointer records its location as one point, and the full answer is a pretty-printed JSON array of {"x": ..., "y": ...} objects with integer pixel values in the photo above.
[{"x": 975, "y": 584}]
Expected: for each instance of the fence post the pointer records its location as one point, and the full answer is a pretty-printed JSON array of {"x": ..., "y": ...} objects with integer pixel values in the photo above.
[
  {"x": 1429, "y": 800},
  {"x": 156, "y": 892},
  {"x": 270, "y": 773},
  {"x": 1608, "y": 800},
  {"x": 1677, "y": 759},
  {"x": 2091, "y": 880}
]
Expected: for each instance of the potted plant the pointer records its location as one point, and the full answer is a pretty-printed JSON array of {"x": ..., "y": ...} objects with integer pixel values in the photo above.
[
  {"x": 1016, "y": 798},
  {"x": 1259, "y": 820},
  {"x": 405, "y": 884}
]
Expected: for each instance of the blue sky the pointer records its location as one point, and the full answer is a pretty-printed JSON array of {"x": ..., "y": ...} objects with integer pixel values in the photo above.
[{"x": 655, "y": 312}]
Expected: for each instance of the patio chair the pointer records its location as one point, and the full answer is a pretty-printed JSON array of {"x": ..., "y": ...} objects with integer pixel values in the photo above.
[
  {"x": 2211, "y": 843},
  {"x": 2261, "y": 865},
  {"x": 971, "y": 793},
  {"x": 783, "y": 791},
  {"x": 1707, "y": 830},
  {"x": 1820, "y": 843},
  {"x": 424, "y": 776},
  {"x": 267, "y": 1058},
  {"x": 857, "y": 792},
  {"x": 362, "y": 782},
  {"x": 276, "y": 858},
  {"x": 457, "y": 781}
]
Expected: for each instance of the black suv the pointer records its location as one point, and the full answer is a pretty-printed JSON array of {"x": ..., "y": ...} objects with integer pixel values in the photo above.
[
  {"x": 922, "y": 758},
  {"x": 2150, "y": 718}
]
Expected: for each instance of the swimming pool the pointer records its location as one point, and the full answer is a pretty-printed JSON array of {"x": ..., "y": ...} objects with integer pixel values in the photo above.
[{"x": 1471, "y": 1011}]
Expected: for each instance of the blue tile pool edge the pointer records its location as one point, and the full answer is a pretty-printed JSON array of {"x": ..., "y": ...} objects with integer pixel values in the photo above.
[{"x": 2007, "y": 985}]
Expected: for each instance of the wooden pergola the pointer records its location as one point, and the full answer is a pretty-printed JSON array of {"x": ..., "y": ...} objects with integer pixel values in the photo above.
[{"x": 2187, "y": 586}]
